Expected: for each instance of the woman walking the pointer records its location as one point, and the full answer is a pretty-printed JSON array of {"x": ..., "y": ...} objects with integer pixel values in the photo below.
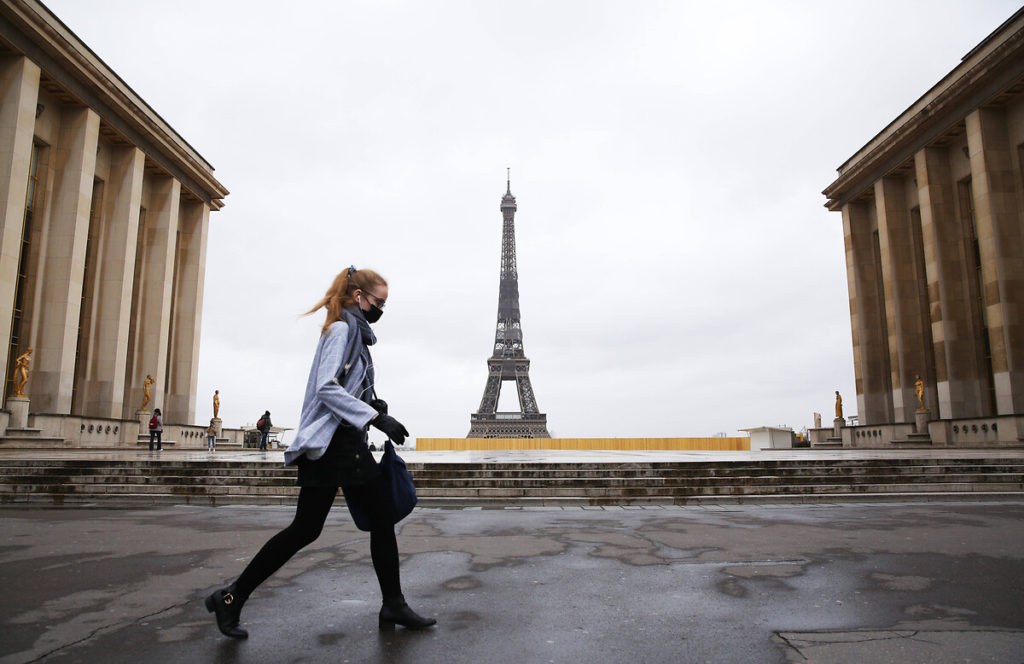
[{"x": 330, "y": 451}]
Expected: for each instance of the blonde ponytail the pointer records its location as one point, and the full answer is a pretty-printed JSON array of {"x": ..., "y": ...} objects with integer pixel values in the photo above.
[{"x": 339, "y": 295}]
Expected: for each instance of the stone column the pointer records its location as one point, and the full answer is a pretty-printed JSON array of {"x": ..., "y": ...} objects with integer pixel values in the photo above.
[
  {"x": 1001, "y": 239},
  {"x": 62, "y": 261},
  {"x": 19, "y": 93},
  {"x": 908, "y": 350},
  {"x": 154, "y": 292},
  {"x": 183, "y": 368},
  {"x": 87, "y": 337},
  {"x": 103, "y": 392},
  {"x": 867, "y": 316},
  {"x": 958, "y": 373}
]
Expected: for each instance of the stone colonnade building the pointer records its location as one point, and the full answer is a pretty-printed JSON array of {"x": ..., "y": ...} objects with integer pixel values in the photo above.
[
  {"x": 105, "y": 212},
  {"x": 933, "y": 218}
]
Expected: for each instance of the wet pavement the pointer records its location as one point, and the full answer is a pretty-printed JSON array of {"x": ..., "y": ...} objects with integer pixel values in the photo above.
[{"x": 825, "y": 583}]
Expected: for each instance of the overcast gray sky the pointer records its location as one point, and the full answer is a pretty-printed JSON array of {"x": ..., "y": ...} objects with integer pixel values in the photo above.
[{"x": 678, "y": 274}]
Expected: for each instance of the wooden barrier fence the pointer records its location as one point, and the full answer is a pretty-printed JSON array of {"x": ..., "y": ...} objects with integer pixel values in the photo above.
[{"x": 629, "y": 444}]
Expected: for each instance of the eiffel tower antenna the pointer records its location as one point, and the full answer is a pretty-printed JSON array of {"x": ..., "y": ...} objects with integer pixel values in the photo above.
[{"x": 508, "y": 362}]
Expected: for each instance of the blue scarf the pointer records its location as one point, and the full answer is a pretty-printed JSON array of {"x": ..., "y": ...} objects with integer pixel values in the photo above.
[{"x": 353, "y": 348}]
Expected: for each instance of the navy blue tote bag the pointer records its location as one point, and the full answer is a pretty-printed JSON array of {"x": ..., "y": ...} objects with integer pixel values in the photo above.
[
  {"x": 398, "y": 487},
  {"x": 398, "y": 481}
]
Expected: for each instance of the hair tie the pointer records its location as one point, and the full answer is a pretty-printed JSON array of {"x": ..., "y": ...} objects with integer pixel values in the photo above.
[{"x": 351, "y": 270}]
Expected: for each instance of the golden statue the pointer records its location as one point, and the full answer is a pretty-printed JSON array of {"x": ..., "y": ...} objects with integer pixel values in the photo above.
[
  {"x": 20, "y": 375},
  {"x": 147, "y": 392},
  {"x": 216, "y": 404},
  {"x": 839, "y": 406},
  {"x": 919, "y": 392}
]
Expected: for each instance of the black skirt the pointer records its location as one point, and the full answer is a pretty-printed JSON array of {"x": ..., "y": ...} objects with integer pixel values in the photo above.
[{"x": 347, "y": 461}]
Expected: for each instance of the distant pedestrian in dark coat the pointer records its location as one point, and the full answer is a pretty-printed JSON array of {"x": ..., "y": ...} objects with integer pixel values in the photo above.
[
  {"x": 156, "y": 430},
  {"x": 264, "y": 424}
]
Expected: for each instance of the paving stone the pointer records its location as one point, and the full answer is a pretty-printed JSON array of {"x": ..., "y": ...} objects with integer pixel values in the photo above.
[{"x": 880, "y": 582}]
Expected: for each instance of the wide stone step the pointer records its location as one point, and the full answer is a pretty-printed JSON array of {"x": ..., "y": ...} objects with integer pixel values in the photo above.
[
  {"x": 517, "y": 492},
  {"x": 512, "y": 492},
  {"x": 766, "y": 480},
  {"x": 654, "y": 503},
  {"x": 746, "y": 472},
  {"x": 527, "y": 502},
  {"x": 151, "y": 479},
  {"x": 728, "y": 466},
  {"x": 429, "y": 472},
  {"x": 215, "y": 462},
  {"x": 692, "y": 470},
  {"x": 218, "y": 481},
  {"x": 43, "y": 498},
  {"x": 56, "y": 476}
]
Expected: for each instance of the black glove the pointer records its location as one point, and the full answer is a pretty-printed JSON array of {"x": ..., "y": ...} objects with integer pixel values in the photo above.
[
  {"x": 379, "y": 405},
  {"x": 391, "y": 427}
]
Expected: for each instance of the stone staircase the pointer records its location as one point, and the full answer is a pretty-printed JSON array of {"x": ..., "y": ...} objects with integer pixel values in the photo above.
[{"x": 219, "y": 482}]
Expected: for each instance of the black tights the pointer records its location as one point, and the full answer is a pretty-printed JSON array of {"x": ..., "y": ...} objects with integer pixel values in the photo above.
[{"x": 314, "y": 504}]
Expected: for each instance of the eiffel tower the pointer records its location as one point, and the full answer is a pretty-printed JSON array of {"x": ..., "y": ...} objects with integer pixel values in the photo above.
[{"x": 508, "y": 362}]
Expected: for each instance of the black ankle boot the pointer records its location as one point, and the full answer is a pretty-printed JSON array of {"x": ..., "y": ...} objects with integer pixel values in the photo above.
[
  {"x": 397, "y": 612},
  {"x": 228, "y": 607}
]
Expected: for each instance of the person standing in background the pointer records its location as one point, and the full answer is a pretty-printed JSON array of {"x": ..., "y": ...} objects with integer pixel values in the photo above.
[
  {"x": 156, "y": 430},
  {"x": 264, "y": 424}
]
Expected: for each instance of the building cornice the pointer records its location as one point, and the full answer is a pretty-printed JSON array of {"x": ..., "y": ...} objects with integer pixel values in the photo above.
[
  {"x": 32, "y": 29},
  {"x": 990, "y": 69}
]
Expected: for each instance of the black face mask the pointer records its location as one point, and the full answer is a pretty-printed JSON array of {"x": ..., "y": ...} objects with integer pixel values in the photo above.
[{"x": 373, "y": 314}]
